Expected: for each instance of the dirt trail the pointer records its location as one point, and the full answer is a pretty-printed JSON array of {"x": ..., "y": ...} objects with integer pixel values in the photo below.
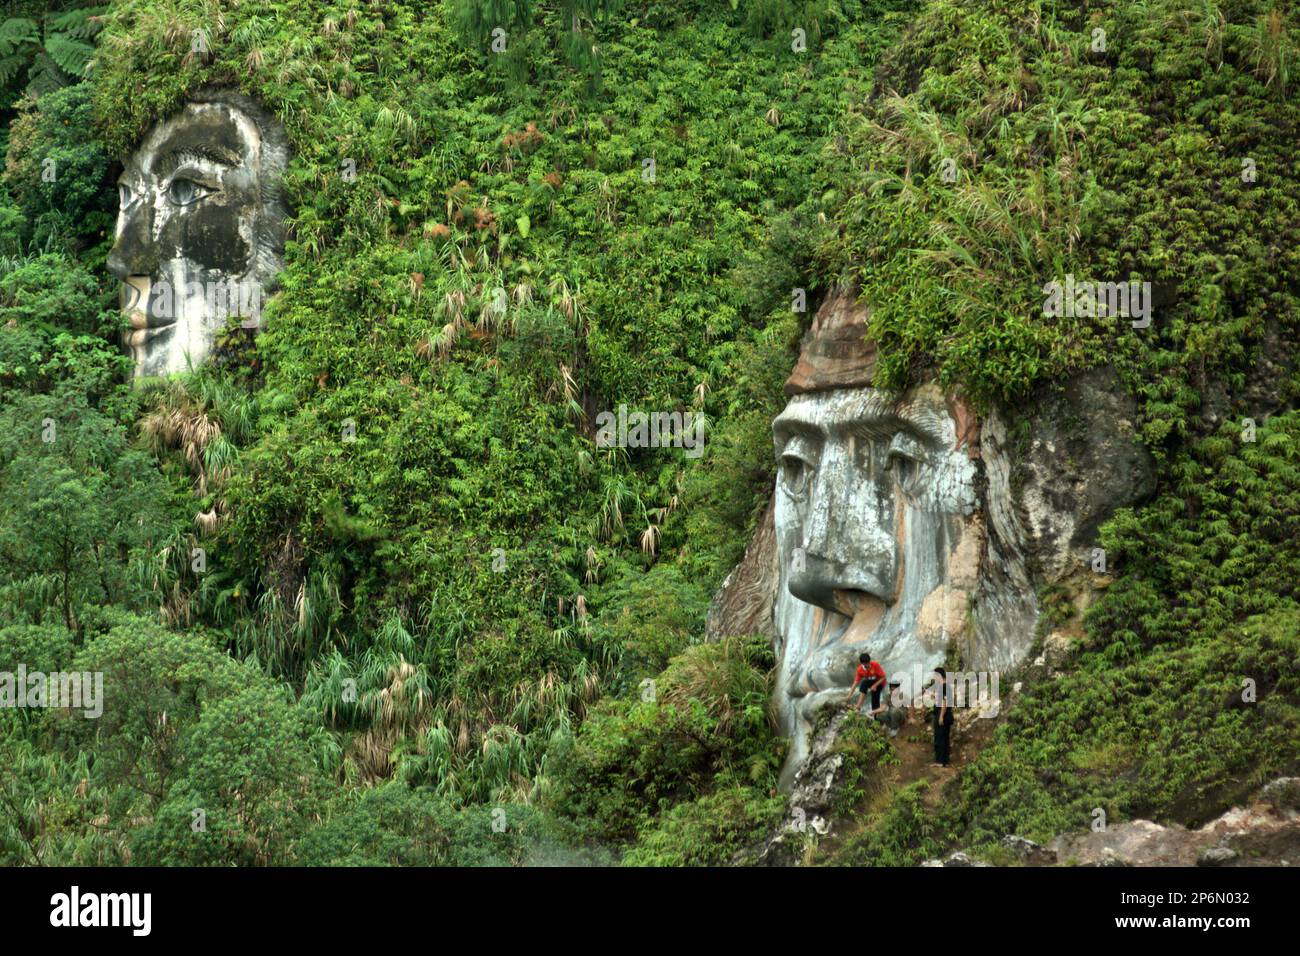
[{"x": 914, "y": 747}]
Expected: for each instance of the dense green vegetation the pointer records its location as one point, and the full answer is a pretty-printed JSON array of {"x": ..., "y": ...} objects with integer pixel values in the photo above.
[
  {"x": 445, "y": 598},
  {"x": 1164, "y": 156},
  {"x": 429, "y": 604}
]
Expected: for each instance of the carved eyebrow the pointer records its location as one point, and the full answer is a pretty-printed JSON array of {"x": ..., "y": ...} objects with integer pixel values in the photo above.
[
  {"x": 879, "y": 427},
  {"x": 787, "y": 427},
  {"x": 171, "y": 161},
  {"x": 872, "y": 425}
]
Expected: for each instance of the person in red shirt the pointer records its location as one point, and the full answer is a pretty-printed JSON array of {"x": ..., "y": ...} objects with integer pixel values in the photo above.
[{"x": 868, "y": 679}]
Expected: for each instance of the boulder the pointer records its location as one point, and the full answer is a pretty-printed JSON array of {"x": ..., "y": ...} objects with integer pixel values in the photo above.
[
  {"x": 1029, "y": 852},
  {"x": 1215, "y": 856},
  {"x": 955, "y": 859}
]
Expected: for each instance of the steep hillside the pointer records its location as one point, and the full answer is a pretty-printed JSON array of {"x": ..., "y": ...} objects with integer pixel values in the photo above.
[{"x": 366, "y": 589}]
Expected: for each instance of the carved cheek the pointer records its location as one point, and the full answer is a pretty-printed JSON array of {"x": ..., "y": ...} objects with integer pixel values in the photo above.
[{"x": 216, "y": 235}]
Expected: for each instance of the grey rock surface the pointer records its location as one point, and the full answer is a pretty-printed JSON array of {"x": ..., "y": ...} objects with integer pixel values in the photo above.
[{"x": 1265, "y": 832}]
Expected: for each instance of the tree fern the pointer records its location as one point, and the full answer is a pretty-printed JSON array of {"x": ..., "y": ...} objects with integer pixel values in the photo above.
[
  {"x": 79, "y": 24},
  {"x": 50, "y": 55},
  {"x": 18, "y": 39},
  {"x": 72, "y": 55}
]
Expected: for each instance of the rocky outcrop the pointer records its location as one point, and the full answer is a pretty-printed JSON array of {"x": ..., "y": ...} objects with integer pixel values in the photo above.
[
  {"x": 744, "y": 603},
  {"x": 835, "y": 352},
  {"x": 1264, "y": 393},
  {"x": 955, "y": 859},
  {"x": 904, "y": 525},
  {"x": 1072, "y": 458},
  {"x": 1028, "y": 852},
  {"x": 1264, "y": 833},
  {"x": 816, "y": 785}
]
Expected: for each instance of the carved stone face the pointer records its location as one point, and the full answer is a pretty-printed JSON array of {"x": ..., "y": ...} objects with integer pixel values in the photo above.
[
  {"x": 200, "y": 229},
  {"x": 878, "y": 537},
  {"x": 902, "y": 525}
]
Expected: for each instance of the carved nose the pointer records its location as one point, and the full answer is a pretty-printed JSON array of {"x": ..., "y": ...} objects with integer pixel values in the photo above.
[
  {"x": 848, "y": 538},
  {"x": 846, "y": 520},
  {"x": 134, "y": 253},
  {"x": 825, "y": 502}
]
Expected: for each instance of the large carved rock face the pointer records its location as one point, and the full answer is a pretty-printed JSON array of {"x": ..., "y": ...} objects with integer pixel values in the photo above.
[
  {"x": 898, "y": 527},
  {"x": 879, "y": 539},
  {"x": 200, "y": 229}
]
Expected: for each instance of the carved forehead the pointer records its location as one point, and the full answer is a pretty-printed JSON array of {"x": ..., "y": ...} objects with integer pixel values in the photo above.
[
  {"x": 842, "y": 411},
  {"x": 212, "y": 132}
]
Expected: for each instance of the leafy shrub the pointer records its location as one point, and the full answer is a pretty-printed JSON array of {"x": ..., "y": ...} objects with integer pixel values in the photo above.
[
  {"x": 707, "y": 831},
  {"x": 705, "y": 726},
  {"x": 57, "y": 174},
  {"x": 393, "y": 825}
]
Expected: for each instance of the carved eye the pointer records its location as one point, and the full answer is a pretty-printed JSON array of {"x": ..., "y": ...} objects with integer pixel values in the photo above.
[
  {"x": 905, "y": 457},
  {"x": 795, "y": 472},
  {"x": 905, "y": 446},
  {"x": 183, "y": 191}
]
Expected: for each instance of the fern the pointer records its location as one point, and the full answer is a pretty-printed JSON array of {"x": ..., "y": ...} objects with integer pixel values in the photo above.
[
  {"x": 79, "y": 24},
  {"x": 15, "y": 33},
  {"x": 17, "y": 37},
  {"x": 52, "y": 54},
  {"x": 70, "y": 54}
]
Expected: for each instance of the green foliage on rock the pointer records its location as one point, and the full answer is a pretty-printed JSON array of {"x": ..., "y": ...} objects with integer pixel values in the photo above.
[
  {"x": 693, "y": 754},
  {"x": 1013, "y": 144},
  {"x": 1184, "y": 700},
  {"x": 709, "y": 830},
  {"x": 504, "y": 265},
  {"x": 429, "y": 594}
]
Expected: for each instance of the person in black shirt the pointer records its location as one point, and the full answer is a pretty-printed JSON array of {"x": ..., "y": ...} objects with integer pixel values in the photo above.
[{"x": 942, "y": 717}]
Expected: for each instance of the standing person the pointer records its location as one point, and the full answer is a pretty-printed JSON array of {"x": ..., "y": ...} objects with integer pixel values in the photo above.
[
  {"x": 868, "y": 679},
  {"x": 942, "y": 717}
]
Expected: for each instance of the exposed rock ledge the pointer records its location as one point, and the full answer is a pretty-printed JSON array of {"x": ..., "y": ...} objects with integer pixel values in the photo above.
[
  {"x": 816, "y": 784},
  {"x": 1264, "y": 833}
]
